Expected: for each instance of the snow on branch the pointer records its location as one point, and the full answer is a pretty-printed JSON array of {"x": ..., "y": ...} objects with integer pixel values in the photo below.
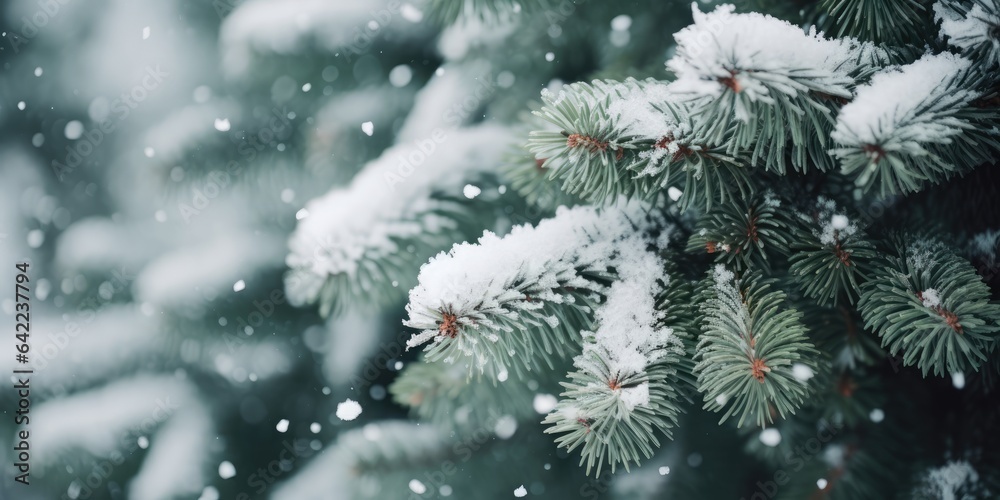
[
  {"x": 971, "y": 25},
  {"x": 896, "y": 130},
  {"x": 773, "y": 79},
  {"x": 289, "y": 26},
  {"x": 624, "y": 389},
  {"x": 514, "y": 300},
  {"x": 355, "y": 240},
  {"x": 633, "y": 137}
]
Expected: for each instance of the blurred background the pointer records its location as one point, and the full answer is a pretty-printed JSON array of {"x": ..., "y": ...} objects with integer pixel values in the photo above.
[{"x": 155, "y": 159}]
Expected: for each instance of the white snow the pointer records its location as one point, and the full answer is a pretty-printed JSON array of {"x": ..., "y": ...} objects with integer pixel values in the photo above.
[
  {"x": 368, "y": 128},
  {"x": 884, "y": 112},
  {"x": 348, "y": 410},
  {"x": 801, "y": 372},
  {"x": 222, "y": 124},
  {"x": 958, "y": 380},
  {"x": 227, "y": 469},
  {"x": 664, "y": 470},
  {"x": 821, "y": 483},
  {"x": 176, "y": 463},
  {"x": 96, "y": 420},
  {"x": 833, "y": 227},
  {"x": 931, "y": 298},
  {"x": 417, "y": 487},
  {"x": 770, "y": 437},
  {"x": 389, "y": 199},
  {"x": 755, "y": 49},
  {"x": 495, "y": 276},
  {"x": 282, "y": 425},
  {"x": 967, "y": 31},
  {"x": 544, "y": 403},
  {"x": 239, "y": 286},
  {"x": 471, "y": 191},
  {"x": 877, "y": 415},
  {"x": 945, "y": 481},
  {"x": 520, "y": 491},
  {"x": 338, "y": 465}
]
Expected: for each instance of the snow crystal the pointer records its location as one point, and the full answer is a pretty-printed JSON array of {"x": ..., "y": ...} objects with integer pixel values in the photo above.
[
  {"x": 930, "y": 298},
  {"x": 505, "y": 427},
  {"x": 471, "y": 191},
  {"x": 834, "y": 228},
  {"x": 886, "y": 107},
  {"x": 664, "y": 470},
  {"x": 417, "y": 487},
  {"x": 821, "y": 483},
  {"x": 315, "y": 427},
  {"x": 958, "y": 380},
  {"x": 801, "y": 372},
  {"x": 544, "y": 403},
  {"x": 755, "y": 49},
  {"x": 520, "y": 492},
  {"x": 239, "y": 286},
  {"x": 222, "y": 124},
  {"x": 348, "y": 410},
  {"x": 73, "y": 130},
  {"x": 143, "y": 442},
  {"x": 282, "y": 425},
  {"x": 227, "y": 469},
  {"x": 770, "y": 437},
  {"x": 368, "y": 128}
]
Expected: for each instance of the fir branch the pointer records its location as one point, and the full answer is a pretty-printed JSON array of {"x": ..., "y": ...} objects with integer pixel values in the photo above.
[
  {"x": 750, "y": 340},
  {"x": 892, "y": 22},
  {"x": 742, "y": 235},
  {"x": 769, "y": 80},
  {"x": 354, "y": 242},
  {"x": 632, "y": 138},
  {"x": 626, "y": 389},
  {"x": 930, "y": 304},
  {"x": 519, "y": 301},
  {"x": 916, "y": 124},
  {"x": 972, "y": 26},
  {"x": 832, "y": 254}
]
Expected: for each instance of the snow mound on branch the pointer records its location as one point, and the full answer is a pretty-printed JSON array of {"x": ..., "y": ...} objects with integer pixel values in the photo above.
[
  {"x": 289, "y": 26},
  {"x": 629, "y": 336},
  {"x": 893, "y": 105},
  {"x": 969, "y": 30},
  {"x": 495, "y": 275},
  {"x": 725, "y": 49},
  {"x": 390, "y": 199}
]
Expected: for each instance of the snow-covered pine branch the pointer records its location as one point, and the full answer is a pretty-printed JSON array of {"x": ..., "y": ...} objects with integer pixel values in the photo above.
[
  {"x": 353, "y": 242},
  {"x": 520, "y": 300},
  {"x": 750, "y": 340},
  {"x": 769, "y": 78},
  {"x": 915, "y": 124},
  {"x": 625, "y": 388},
  {"x": 971, "y": 25},
  {"x": 632, "y": 138}
]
